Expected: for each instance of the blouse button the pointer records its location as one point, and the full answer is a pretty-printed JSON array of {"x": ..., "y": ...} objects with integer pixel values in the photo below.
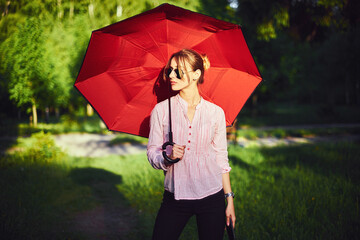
[
  {"x": 189, "y": 141},
  {"x": 188, "y": 148},
  {"x": 189, "y": 133},
  {"x": 189, "y": 126}
]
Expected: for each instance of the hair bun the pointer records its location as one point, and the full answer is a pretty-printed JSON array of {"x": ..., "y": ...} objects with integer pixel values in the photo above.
[{"x": 206, "y": 61}]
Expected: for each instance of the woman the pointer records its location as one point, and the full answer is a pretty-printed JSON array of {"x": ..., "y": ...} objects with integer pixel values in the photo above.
[{"x": 197, "y": 183}]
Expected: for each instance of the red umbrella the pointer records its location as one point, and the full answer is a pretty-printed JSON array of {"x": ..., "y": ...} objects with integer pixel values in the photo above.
[{"x": 121, "y": 72}]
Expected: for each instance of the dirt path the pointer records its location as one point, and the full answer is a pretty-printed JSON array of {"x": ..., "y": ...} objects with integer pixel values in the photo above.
[
  {"x": 311, "y": 126},
  {"x": 273, "y": 141},
  {"x": 94, "y": 145},
  {"x": 97, "y": 145}
]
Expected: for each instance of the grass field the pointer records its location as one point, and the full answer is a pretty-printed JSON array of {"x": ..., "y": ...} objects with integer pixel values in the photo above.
[{"x": 297, "y": 192}]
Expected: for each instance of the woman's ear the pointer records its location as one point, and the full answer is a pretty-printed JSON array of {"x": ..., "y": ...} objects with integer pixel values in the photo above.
[{"x": 197, "y": 74}]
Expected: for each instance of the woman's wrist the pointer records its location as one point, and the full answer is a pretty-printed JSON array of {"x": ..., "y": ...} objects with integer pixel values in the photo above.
[
  {"x": 230, "y": 200},
  {"x": 229, "y": 194}
]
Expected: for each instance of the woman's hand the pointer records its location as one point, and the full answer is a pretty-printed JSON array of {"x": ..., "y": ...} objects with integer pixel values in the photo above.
[
  {"x": 230, "y": 212},
  {"x": 177, "y": 152}
]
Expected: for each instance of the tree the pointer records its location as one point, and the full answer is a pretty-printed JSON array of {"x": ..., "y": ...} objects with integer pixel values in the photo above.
[
  {"x": 23, "y": 59},
  {"x": 43, "y": 42}
]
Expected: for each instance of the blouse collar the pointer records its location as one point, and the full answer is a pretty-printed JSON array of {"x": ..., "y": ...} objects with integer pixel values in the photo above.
[{"x": 184, "y": 104}]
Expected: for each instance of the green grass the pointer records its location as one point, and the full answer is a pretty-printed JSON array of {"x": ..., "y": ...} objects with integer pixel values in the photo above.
[
  {"x": 297, "y": 192},
  {"x": 123, "y": 138},
  {"x": 300, "y": 192},
  {"x": 66, "y": 124}
]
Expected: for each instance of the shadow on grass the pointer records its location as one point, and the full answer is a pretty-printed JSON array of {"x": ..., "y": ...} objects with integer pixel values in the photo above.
[
  {"x": 127, "y": 139},
  {"x": 35, "y": 200},
  {"x": 112, "y": 218},
  {"x": 6, "y": 143},
  {"x": 8, "y": 135},
  {"x": 47, "y": 201},
  {"x": 236, "y": 160},
  {"x": 340, "y": 159}
]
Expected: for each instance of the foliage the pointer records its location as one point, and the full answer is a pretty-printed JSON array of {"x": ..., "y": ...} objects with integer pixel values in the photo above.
[
  {"x": 44, "y": 42},
  {"x": 306, "y": 50},
  {"x": 303, "y": 50},
  {"x": 23, "y": 61}
]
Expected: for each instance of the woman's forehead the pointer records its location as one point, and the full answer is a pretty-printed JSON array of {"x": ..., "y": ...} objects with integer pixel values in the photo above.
[{"x": 174, "y": 64}]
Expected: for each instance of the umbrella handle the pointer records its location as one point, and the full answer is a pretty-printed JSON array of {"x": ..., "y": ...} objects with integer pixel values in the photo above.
[{"x": 166, "y": 156}]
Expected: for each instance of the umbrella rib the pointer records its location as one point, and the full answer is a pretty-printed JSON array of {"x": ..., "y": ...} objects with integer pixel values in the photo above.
[
  {"x": 218, "y": 51},
  {"x": 150, "y": 35},
  {"x": 141, "y": 47},
  {"x": 133, "y": 80},
  {"x": 188, "y": 35}
]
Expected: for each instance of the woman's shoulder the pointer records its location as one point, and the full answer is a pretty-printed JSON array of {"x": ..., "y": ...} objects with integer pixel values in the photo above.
[
  {"x": 213, "y": 107},
  {"x": 163, "y": 105}
]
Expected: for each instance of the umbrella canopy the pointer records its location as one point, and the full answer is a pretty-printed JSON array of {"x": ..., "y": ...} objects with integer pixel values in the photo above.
[{"x": 121, "y": 75}]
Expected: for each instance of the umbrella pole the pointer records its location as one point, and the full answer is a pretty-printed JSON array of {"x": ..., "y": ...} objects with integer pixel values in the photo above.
[
  {"x": 170, "y": 128},
  {"x": 170, "y": 142}
]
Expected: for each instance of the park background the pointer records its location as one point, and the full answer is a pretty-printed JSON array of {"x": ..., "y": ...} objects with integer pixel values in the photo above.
[{"x": 307, "y": 53}]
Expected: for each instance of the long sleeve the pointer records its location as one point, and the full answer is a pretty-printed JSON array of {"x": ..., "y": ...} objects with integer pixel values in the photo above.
[
  {"x": 154, "y": 151},
  {"x": 219, "y": 143},
  {"x": 199, "y": 173}
]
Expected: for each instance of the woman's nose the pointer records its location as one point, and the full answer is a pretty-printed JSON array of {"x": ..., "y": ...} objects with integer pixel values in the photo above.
[{"x": 172, "y": 74}]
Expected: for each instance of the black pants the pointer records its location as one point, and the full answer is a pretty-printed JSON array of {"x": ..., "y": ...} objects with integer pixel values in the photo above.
[{"x": 174, "y": 214}]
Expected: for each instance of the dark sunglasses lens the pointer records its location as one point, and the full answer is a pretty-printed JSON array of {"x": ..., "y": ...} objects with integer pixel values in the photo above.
[
  {"x": 177, "y": 73},
  {"x": 169, "y": 71}
]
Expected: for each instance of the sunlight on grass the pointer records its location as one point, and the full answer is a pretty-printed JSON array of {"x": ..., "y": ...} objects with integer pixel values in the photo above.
[{"x": 297, "y": 192}]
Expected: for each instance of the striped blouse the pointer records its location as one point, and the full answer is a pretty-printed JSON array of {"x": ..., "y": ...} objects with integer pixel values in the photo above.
[{"x": 199, "y": 173}]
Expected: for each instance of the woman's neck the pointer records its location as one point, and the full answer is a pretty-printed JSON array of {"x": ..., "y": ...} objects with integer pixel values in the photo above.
[{"x": 191, "y": 96}]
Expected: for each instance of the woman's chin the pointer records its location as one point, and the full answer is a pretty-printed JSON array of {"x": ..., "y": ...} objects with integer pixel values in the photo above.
[{"x": 174, "y": 88}]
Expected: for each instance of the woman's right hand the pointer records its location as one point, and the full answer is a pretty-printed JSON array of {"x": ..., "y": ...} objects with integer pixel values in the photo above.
[{"x": 177, "y": 152}]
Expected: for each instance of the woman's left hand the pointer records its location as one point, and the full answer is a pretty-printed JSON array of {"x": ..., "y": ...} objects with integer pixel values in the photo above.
[{"x": 230, "y": 212}]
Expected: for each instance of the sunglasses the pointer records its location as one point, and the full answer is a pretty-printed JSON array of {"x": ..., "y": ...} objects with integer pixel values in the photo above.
[{"x": 177, "y": 72}]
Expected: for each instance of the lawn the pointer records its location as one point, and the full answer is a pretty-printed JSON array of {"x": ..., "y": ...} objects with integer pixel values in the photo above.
[{"x": 298, "y": 192}]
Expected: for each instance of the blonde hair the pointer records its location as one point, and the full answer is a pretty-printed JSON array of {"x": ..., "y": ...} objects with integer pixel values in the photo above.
[{"x": 194, "y": 59}]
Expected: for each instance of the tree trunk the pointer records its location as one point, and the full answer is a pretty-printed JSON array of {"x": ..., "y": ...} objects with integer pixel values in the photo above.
[
  {"x": 91, "y": 10},
  {"x": 254, "y": 105},
  {"x": 71, "y": 10},
  {"x": 47, "y": 114},
  {"x": 57, "y": 114},
  {"x": 89, "y": 110},
  {"x": 60, "y": 10},
  {"x": 34, "y": 114},
  {"x": 6, "y": 9},
  {"x": 119, "y": 11}
]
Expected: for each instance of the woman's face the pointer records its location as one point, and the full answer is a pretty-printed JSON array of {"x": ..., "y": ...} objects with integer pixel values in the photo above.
[{"x": 187, "y": 76}]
